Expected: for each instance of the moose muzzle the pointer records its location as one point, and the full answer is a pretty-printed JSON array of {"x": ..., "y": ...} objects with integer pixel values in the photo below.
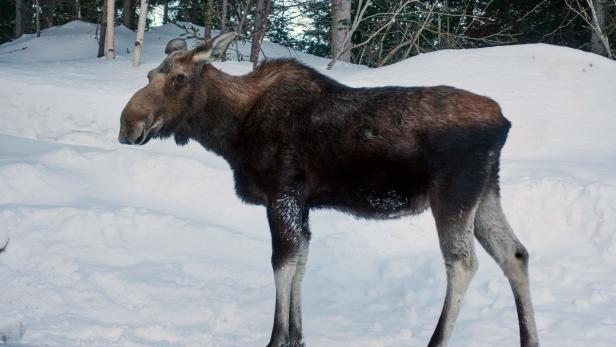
[{"x": 137, "y": 123}]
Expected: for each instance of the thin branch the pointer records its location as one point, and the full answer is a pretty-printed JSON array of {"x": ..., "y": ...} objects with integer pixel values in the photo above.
[{"x": 413, "y": 39}]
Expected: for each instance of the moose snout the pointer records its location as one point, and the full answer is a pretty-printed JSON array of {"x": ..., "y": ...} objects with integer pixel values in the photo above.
[
  {"x": 137, "y": 120},
  {"x": 132, "y": 134}
]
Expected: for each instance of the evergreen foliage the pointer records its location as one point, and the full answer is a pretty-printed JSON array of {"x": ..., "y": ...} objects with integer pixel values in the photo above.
[{"x": 389, "y": 31}]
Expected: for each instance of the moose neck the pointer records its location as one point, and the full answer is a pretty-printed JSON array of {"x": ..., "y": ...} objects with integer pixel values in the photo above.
[{"x": 228, "y": 99}]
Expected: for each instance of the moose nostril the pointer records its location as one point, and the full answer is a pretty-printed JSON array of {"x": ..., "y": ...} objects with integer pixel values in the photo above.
[
  {"x": 124, "y": 140},
  {"x": 132, "y": 134}
]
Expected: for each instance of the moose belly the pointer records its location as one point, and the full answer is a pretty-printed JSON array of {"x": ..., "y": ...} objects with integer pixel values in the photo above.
[
  {"x": 384, "y": 205},
  {"x": 377, "y": 196}
]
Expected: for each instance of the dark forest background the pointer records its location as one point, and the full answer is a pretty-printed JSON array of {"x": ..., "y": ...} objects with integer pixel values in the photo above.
[{"x": 372, "y": 33}]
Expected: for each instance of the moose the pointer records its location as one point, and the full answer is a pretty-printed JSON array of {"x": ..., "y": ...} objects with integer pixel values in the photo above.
[{"x": 297, "y": 140}]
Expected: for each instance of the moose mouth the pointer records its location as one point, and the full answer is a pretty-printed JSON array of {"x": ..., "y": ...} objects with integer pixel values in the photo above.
[
  {"x": 147, "y": 133},
  {"x": 145, "y": 136}
]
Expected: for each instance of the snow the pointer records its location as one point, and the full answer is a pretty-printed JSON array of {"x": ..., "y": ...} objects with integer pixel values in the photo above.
[{"x": 148, "y": 246}]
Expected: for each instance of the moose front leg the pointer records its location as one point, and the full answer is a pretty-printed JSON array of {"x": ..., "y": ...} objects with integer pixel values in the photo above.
[{"x": 288, "y": 222}]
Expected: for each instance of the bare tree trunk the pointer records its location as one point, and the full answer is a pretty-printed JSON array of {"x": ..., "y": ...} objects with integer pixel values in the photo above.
[
  {"x": 242, "y": 15},
  {"x": 341, "y": 26},
  {"x": 109, "y": 35},
  {"x": 38, "y": 19},
  {"x": 77, "y": 10},
  {"x": 344, "y": 47},
  {"x": 207, "y": 19},
  {"x": 223, "y": 25},
  {"x": 254, "y": 48},
  {"x": 19, "y": 19},
  {"x": 264, "y": 23},
  {"x": 260, "y": 28},
  {"x": 194, "y": 11},
  {"x": 593, "y": 12},
  {"x": 598, "y": 39},
  {"x": 223, "y": 16},
  {"x": 143, "y": 12},
  {"x": 103, "y": 31},
  {"x": 48, "y": 13},
  {"x": 26, "y": 16},
  {"x": 128, "y": 14},
  {"x": 241, "y": 11},
  {"x": 166, "y": 12}
]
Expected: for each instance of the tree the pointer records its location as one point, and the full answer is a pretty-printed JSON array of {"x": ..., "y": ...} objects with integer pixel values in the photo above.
[
  {"x": 255, "y": 47},
  {"x": 102, "y": 31},
  {"x": 343, "y": 44},
  {"x": 223, "y": 16},
  {"x": 38, "y": 19},
  {"x": 143, "y": 11},
  {"x": 166, "y": 12},
  {"x": 387, "y": 32},
  {"x": 48, "y": 14},
  {"x": 19, "y": 21},
  {"x": 109, "y": 32},
  {"x": 207, "y": 19},
  {"x": 27, "y": 16},
  {"x": 594, "y": 14},
  {"x": 128, "y": 13},
  {"x": 260, "y": 28},
  {"x": 223, "y": 25},
  {"x": 599, "y": 41},
  {"x": 77, "y": 10},
  {"x": 340, "y": 29}
]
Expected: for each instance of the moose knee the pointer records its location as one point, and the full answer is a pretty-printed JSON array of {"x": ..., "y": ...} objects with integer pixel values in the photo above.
[
  {"x": 521, "y": 254},
  {"x": 467, "y": 265}
]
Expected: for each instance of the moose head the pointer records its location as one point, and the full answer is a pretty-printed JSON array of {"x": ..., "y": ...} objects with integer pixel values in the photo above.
[{"x": 174, "y": 88}]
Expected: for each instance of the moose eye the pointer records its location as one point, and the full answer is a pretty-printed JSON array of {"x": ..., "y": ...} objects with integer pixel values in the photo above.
[{"x": 179, "y": 80}]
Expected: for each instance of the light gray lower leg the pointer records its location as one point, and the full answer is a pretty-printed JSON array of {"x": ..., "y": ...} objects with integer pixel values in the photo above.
[
  {"x": 283, "y": 278},
  {"x": 295, "y": 324},
  {"x": 496, "y": 236},
  {"x": 296, "y": 337},
  {"x": 457, "y": 246},
  {"x": 286, "y": 216}
]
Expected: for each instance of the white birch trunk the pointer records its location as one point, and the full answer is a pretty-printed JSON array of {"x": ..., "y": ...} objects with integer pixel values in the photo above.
[
  {"x": 143, "y": 12},
  {"x": 341, "y": 26},
  {"x": 109, "y": 32},
  {"x": 599, "y": 41},
  {"x": 78, "y": 9}
]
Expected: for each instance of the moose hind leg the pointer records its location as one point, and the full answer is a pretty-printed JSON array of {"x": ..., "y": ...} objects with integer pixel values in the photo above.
[
  {"x": 497, "y": 238},
  {"x": 455, "y": 232}
]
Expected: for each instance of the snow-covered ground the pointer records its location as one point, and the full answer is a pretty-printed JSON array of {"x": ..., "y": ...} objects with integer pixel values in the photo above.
[{"x": 148, "y": 246}]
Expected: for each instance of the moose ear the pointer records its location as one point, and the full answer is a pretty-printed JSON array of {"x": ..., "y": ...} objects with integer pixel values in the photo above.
[
  {"x": 213, "y": 49},
  {"x": 175, "y": 45}
]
